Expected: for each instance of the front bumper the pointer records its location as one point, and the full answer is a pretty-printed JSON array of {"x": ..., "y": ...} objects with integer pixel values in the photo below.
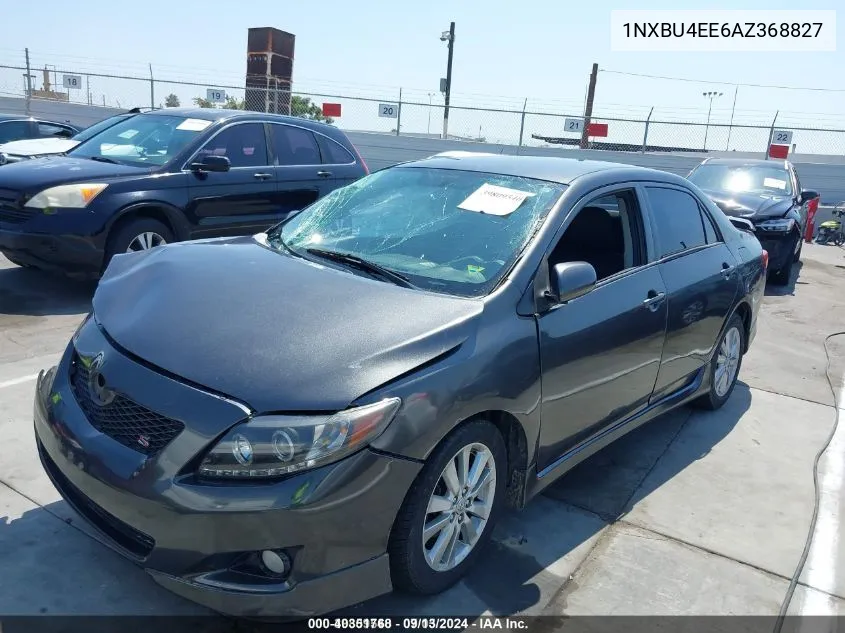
[
  {"x": 71, "y": 255},
  {"x": 780, "y": 246},
  {"x": 333, "y": 522}
]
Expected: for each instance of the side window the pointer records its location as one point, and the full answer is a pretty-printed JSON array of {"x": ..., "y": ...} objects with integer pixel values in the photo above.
[
  {"x": 709, "y": 229},
  {"x": 294, "y": 146},
  {"x": 53, "y": 130},
  {"x": 605, "y": 233},
  {"x": 14, "y": 131},
  {"x": 677, "y": 220},
  {"x": 334, "y": 153},
  {"x": 244, "y": 145},
  {"x": 797, "y": 183}
]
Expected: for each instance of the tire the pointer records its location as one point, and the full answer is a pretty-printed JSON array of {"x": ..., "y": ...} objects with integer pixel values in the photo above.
[
  {"x": 128, "y": 234},
  {"x": 410, "y": 569},
  {"x": 718, "y": 394},
  {"x": 797, "y": 257},
  {"x": 784, "y": 273}
]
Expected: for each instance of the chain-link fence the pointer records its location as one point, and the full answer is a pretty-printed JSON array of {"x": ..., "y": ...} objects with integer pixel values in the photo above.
[{"x": 411, "y": 116}]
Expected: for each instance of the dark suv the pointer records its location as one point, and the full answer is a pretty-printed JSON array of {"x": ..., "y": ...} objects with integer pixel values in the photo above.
[{"x": 164, "y": 176}]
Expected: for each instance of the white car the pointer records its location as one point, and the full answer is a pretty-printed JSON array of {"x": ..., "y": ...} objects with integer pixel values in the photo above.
[{"x": 15, "y": 151}]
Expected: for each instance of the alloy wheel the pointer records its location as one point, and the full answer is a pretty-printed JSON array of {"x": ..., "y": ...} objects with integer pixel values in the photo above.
[
  {"x": 145, "y": 241},
  {"x": 459, "y": 507},
  {"x": 727, "y": 361}
]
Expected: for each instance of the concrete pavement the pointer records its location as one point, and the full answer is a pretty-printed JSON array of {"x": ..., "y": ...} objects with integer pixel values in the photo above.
[{"x": 695, "y": 513}]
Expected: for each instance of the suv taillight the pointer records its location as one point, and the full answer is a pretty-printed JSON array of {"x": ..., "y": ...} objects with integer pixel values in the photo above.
[
  {"x": 361, "y": 160},
  {"x": 765, "y": 258}
]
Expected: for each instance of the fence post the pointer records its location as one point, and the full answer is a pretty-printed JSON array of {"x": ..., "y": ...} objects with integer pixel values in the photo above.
[
  {"x": 399, "y": 113},
  {"x": 645, "y": 134},
  {"x": 28, "y": 83},
  {"x": 152, "y": 89},
  {"x": 522, "y": 122},
  {"x": 771, "y": 134}
]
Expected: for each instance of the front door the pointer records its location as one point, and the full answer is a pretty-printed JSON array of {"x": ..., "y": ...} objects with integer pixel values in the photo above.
[
  {"x": 243, "y": 199},
  {"x": 701, "y": 283},
  {"x": 600, "y": 353}
]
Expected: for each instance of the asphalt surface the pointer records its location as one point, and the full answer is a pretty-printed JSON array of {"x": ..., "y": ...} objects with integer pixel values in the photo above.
[{"x": 695, "y": 513}]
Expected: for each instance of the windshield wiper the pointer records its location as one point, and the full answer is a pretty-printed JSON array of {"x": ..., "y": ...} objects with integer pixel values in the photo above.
[
  {"x": 363, "y": 264},
  {"x": 104, "y": 159}
]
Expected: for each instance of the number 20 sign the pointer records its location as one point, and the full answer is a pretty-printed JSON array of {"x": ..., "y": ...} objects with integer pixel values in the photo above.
[{"x": 388, "y": 110}]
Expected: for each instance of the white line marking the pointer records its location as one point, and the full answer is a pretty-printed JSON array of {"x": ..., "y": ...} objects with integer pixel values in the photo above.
[
  {"x": 822, "y": 560},
  {"x": 17, "y": 381}
]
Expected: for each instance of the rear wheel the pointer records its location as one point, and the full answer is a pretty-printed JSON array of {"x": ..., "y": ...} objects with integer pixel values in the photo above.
[
  {"x": 448, "y": 515},
  {"x": 797, "y": 257},
  {"x": 724, "y": 368},
  {"x": 138, "y": 234}
]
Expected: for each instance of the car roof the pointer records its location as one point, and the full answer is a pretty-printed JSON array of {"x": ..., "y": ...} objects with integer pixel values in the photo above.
[
  {"x": 549, "y": 168},
  {"x": 220, "y": 114},
  {"x": 746, "y": 162},
  {"x": 14, "y": 117}
]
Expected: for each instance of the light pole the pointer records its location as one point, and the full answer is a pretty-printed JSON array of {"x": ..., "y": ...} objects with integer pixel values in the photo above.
[
  {"x": 449, "y": 38},
  {"x": 430, "y": 95},
  {"x": 710, "y": 95}
]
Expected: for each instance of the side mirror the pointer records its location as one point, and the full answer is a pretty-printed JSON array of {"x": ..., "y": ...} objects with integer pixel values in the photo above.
[
  {"x": 63, "y": 134},
  {"x": 571, "y": 280},
  {"x": 807, "y": 195},
  {"x": 211, "y": 163},
  {"x": 742, "y": 224}
]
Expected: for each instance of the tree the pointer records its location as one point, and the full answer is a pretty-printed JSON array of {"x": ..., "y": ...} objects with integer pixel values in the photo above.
[
  {"x": 202, "y": 103},
  {"x": 303, "y": 107},
  {"x": 233, "y": 103},
  {"x": 171, "y": 101}
]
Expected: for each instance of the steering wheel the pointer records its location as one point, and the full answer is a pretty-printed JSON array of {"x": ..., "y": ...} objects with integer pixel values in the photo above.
[{"x": 474, "y": 258}]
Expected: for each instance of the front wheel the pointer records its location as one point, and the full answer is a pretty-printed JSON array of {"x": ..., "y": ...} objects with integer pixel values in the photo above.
[
  {"x": 725, "y": 365},
  {"x": 448, "y": 515},
  {"x": 138, "y": 234}
]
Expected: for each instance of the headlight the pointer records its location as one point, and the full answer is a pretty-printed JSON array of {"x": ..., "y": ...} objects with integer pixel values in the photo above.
[
  {"x": 66, "y": 196},
  {"x": 784, "y": 226},
  {"x": 274, "y": 445}
]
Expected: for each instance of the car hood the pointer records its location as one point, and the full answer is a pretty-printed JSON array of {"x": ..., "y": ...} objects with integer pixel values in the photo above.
[
  {"x": 752, "y": 206},
  {"x": 39, "y": 173},
  {"x": 38, "y": 146},
  {"x": 274, "y": 331}
]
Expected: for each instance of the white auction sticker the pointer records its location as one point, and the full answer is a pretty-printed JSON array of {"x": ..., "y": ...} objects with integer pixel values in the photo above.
[
  {"x": 723, "y": 30},
  {"x": 774, "y": 183},
  {"x": 494, "y": 200},
  {"x": 193, "y": 125}
]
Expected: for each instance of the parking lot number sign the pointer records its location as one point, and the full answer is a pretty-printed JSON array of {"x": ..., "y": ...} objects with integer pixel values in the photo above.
[
  {"x": 388, "y": 110},
  {"x": 782, "y": 137},
  {"x": 72, "y": 82},
  {"x": 573, "y": 125},
  {"x": 215, "y": 96}
]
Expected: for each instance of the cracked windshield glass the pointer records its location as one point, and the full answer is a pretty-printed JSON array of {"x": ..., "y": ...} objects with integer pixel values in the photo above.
[{"x": 444, "y": 230}]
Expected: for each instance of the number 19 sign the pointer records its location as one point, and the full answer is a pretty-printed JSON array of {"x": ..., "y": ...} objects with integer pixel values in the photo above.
[
  {"x": 215, "y": 96},
  {"x": 388, "y": 110}
]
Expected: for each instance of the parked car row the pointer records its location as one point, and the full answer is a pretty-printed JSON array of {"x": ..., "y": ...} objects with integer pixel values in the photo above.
[
  {"x": 492, "y": 321},
  {"x": 15, "y": 128}
]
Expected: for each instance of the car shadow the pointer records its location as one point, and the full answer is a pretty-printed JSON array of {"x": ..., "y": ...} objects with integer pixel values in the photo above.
[
  {"x": 787, "y": 289},
  {"x": 30, "y": 292},
  {"x": 509, "y": 580}
]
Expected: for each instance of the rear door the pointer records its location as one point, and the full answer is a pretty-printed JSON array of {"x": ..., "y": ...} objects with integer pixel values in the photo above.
[
  {"x": 344, "y": 167},
  {"x": 48, "y": 129},
  {"x": 298, "y": 165},
  {"x": 701, "y": 280},
  {"x": 16, "y": 130},
  {"x": 241, "y": 200}
]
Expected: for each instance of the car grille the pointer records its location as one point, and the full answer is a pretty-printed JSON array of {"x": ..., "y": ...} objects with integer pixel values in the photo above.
[
  {"x": 11, "y": 207},
  {"x": 122, "y": 419},
  {"x": 133, "y": 541}
]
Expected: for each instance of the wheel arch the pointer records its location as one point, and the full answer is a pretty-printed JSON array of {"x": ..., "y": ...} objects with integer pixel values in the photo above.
[{"x": 165, "y": 213}]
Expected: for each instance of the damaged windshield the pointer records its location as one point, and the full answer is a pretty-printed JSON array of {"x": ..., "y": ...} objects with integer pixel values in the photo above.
[{"x": 442, "y": 229}]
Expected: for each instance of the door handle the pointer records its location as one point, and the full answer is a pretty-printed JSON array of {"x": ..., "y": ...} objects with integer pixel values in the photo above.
[
  {"x": 262, "y": 176},
  {"x": 654, "y": 299},
  {"x": 324, "y": 174},
  {"x": 727, "y": 270}
]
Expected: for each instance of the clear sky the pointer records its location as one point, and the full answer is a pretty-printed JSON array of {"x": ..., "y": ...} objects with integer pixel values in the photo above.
[{"x": 505, "y": 51}]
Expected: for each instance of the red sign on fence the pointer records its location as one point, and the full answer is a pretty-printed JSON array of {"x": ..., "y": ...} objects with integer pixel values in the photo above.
[
  {"x": 331, "y": 109},
  {"x": 597, "y": 129},
  {"x": 778, "y": 151}
]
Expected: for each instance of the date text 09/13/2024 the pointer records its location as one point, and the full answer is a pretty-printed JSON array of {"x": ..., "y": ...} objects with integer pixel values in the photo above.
[{"x": 416, "y": 623}]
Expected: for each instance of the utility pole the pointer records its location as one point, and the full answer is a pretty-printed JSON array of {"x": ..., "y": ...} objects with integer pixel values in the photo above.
[
  {"x": 710, "y": 95},
  {"x": 28, "y": 83},
  {"x": 588, "y": 107},
  {"x": 428, "y": 129},
  {"x": 731, "y": 124},
  {"x": 449, "y": 38},
  {"x": 152, "y": 89}
]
